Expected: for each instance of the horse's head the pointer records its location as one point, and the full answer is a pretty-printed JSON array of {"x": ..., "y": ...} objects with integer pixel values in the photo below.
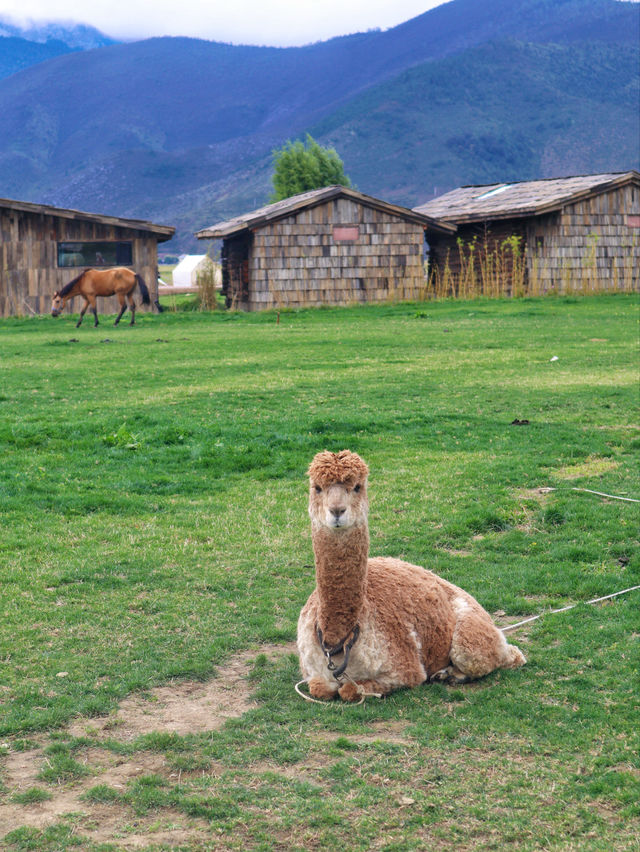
[{"x": 56, "y": 304}]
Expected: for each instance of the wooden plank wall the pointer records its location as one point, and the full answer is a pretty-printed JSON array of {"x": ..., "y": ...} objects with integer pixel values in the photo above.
[
  {"x": 29, "y": 273},
  {"x": 590, "y": 245},
  {"x": 296, "y": 261}
]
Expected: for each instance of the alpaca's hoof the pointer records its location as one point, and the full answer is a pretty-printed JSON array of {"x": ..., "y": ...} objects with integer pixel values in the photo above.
[
  {"x": 350, "y": 692},
  {"x": 450, "y": 675},
  {"x": 321, "y": 690}
]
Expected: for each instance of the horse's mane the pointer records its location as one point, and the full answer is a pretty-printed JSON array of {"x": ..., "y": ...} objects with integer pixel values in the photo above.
[{"x": 67, "y": 287}]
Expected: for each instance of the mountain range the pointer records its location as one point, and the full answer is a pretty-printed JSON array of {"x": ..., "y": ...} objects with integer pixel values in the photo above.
[{"x": 182, "y": 130}]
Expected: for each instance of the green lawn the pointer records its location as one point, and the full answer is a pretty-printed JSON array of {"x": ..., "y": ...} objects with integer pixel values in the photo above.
[
  {"x": 165, "y": 271},
  {"x": 153, "y": 525}
]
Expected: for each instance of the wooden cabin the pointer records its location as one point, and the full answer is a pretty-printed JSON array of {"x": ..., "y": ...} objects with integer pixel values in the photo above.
[
  {"x": 330, "y": 246},
  {"x": 42, "y": 248},
  {"x": 575, "y": 233}
]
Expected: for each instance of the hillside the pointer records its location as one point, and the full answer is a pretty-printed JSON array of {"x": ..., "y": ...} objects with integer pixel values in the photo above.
[
  {"x": 505, "y": 111},
  {"x": 180, "y": 130},
  {"x": 18, "y": 53}
]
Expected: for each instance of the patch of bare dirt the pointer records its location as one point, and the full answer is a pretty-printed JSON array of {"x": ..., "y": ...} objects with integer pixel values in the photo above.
[
  {"x": 183, "y": 707},
  {"x": 21, "y": 771},
  {"x": 173, "y": 829}
]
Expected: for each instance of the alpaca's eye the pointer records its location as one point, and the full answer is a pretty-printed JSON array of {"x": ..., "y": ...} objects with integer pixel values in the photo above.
[
  {"x": 356, "y": 488},
  {"x": 318, "y": 489}
]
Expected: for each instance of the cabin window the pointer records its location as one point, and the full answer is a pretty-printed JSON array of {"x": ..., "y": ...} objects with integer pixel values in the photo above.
[
  {"x": 346, "y": 233},
  {"x": 95, "y": 254}
]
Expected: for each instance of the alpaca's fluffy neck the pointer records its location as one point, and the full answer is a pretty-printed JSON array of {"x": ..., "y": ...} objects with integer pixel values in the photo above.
[{"x": 341, "y": 575}]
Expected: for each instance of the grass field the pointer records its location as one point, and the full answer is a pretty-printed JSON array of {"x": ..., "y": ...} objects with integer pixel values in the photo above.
[
  {"x": 156, "y": 553},
  {"x": 165, "y": 271}
]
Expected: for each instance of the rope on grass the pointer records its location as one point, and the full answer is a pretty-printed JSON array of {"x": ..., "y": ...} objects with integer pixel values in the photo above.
[
  {"x": 565, "y": 608},
  {"x": 611, "y": 496}
]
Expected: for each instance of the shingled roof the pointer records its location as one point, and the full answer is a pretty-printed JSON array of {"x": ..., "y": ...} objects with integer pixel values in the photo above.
[
  {"x": 289, "y": 206},
  {"x": 525, "y": 198},
  {"x": 163, "y": 232}
]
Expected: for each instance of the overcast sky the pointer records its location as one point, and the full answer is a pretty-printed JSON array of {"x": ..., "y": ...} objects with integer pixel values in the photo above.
[{"x": 266, "y": 22}]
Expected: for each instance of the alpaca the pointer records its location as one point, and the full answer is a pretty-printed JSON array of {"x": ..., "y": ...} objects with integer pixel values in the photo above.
[{"x": 388, "y": 623}]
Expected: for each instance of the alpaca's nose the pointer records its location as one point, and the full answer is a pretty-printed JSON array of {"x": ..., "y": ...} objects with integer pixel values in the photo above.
[{"x": 336, "y": 511}]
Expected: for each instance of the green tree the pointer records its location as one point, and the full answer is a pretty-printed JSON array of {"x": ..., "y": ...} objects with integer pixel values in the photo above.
[{"x": 301, "y": 166}]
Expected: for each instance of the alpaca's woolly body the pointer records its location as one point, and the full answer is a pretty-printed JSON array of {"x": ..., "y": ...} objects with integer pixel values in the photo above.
[{"x": 413, "y": 624}]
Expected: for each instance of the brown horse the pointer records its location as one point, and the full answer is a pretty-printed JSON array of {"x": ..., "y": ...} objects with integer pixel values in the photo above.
[{"x": 119, "y": 281}]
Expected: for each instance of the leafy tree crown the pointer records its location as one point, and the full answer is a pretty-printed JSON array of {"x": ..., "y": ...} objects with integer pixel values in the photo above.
[{"x": 301, "y": 166}]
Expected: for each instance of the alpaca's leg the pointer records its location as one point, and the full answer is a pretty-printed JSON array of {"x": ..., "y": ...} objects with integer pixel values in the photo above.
[
  {"x": 319, "y": 688},
  {"x": 478, "y": 648},
  {"x": 353, "y": 690}
]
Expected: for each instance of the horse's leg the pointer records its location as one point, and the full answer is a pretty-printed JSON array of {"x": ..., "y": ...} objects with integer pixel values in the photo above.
[
  {"x": 123, "y": 307},
  {"x": 94, "y": 310},
  {"x": 132, "y": 305},
  {"x": 83, "y": 311}
]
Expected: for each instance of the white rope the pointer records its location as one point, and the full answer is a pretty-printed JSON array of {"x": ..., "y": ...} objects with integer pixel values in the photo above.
[
  {"x": 565, "y": 608},
  {"x": 611, "y": 496}
]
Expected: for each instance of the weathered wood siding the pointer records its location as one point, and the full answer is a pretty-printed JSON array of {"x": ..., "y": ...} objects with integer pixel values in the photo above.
[
  {"x": 593, "y": 244},
  {"x": 302, "y": 261},
  {"x": 29, "y": 272}
]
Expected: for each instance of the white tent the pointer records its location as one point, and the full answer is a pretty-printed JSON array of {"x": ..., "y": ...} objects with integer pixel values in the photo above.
[{"x": 186, "y": 272}]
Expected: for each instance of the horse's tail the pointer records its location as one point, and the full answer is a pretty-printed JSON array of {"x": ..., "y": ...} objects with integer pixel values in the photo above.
[{"x": 146, "y": 300}]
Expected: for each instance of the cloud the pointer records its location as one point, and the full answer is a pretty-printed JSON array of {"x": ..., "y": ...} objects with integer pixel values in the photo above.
[{"x": 266, "y": 22}]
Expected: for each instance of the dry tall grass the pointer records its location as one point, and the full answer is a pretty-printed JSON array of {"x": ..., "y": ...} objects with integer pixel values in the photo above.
[
  {"x": 209, "y": 281},
  {"x": 506, "y": 269}
]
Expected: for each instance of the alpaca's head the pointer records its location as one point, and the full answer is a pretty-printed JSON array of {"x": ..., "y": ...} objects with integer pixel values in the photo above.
[{"x": 338, "y": 490}]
